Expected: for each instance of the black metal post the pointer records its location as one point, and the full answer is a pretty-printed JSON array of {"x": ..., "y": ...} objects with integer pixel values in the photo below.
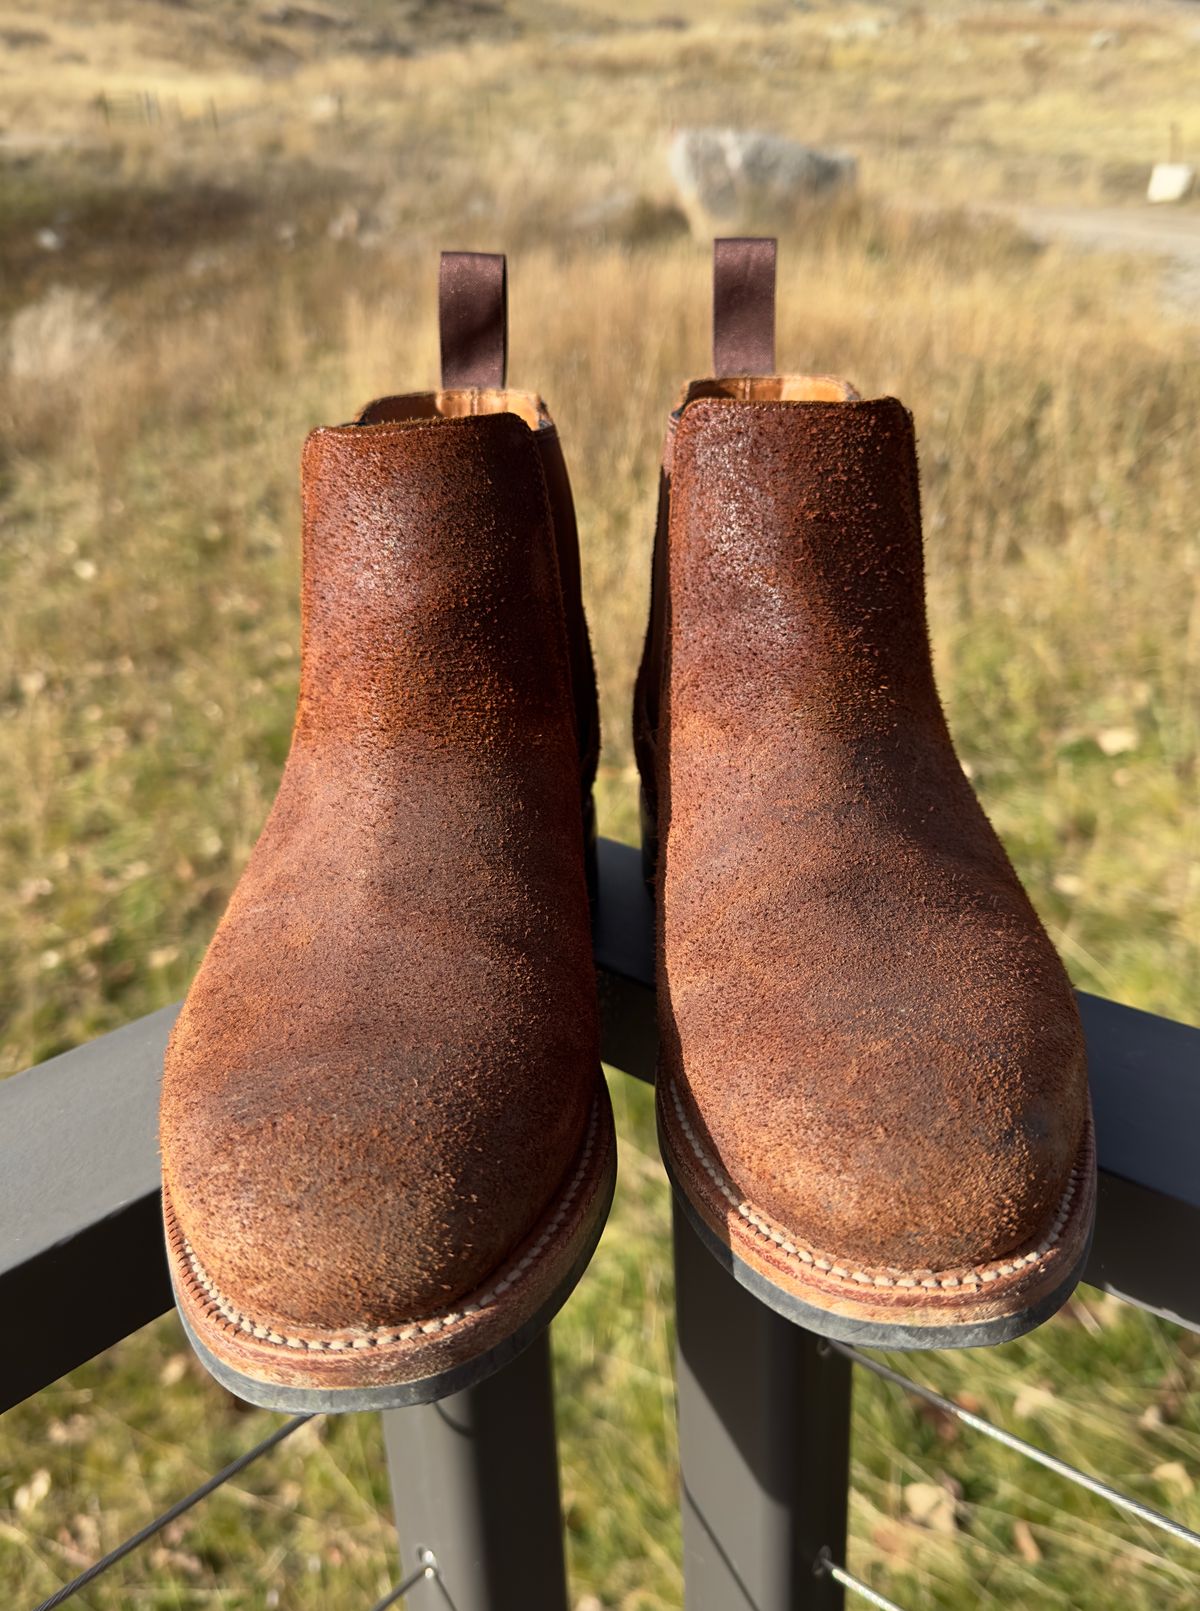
[
  {"x": 475, "y": 1490},
  {"x": 764, "y": 1447}
]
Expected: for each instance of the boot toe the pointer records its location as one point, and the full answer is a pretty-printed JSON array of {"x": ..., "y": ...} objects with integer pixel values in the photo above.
[
  {"x": 361, "y": 1205},
  {"x": 946, "y": 1164}
]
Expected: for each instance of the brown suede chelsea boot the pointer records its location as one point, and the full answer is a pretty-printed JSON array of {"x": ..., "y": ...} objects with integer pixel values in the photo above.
[
  {"x": 387, "y": 1145},
  {"x": 872, "y": 1092}
]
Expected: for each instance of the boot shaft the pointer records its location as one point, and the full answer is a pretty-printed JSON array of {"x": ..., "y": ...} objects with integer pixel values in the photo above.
[
  {"x": 794, "y": 573},
  {"x": 432, "y": 604},
  {"x": 441, "y": 593},
  {"x": 788, "y": 579}
]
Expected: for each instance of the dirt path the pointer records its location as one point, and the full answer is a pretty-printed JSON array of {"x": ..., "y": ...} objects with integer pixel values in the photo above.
[{"x": 1172, "y": 234}]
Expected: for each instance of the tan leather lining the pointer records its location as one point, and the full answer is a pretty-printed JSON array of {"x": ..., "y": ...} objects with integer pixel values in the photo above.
[
  {"x": 457, "y": 404},
  {"x": 770, "y": 389}
]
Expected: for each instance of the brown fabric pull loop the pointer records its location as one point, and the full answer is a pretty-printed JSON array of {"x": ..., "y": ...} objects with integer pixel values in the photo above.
[
  {"x": 473, "y": 319},
  {"x": 744, "y": 306}
]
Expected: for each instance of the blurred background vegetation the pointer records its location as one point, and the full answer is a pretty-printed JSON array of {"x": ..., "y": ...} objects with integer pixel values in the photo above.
[{"x": 218, "y": 228}]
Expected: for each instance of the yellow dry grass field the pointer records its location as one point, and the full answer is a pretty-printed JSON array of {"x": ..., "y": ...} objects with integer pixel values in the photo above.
[{"x": 218, "y": 228}]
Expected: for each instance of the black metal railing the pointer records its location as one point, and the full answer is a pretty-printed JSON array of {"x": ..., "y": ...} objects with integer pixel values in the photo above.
[{"x": 764, "y": 1407}]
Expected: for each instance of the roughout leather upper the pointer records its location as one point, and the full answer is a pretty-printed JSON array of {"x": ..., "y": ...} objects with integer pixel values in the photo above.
[
  {"x": 856, "y": 997},
  {"x": 383, "y": 1070}
]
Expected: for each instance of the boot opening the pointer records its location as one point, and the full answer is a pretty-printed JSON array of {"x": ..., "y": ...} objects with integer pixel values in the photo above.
[
  {"x": 456, "y": 404},
  {"x": 770, "y": 389}
]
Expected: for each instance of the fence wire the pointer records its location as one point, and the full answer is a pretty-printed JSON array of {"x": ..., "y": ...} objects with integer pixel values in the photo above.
[
  {"x": 827, "y": 1567},
  {"x": 177, "y": 1509},
  {"x": 1104, "y": 1490},
  {"x": 424, "y": 1573}
]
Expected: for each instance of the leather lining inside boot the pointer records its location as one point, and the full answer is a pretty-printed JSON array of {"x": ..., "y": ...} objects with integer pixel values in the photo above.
[
  {"x": 770, "y": 389},
  {"x": 460, "y": 403}
]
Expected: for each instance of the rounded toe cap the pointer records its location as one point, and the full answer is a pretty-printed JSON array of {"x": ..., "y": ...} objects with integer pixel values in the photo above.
[
  {"x": 350, "y": 1199},
  {"x": 942, "y": 1165}
]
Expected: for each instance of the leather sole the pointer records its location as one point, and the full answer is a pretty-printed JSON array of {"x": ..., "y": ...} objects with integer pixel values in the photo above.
[
  {"x": 304, "y": 1369},
  {"x": 885, "y": 1308}
]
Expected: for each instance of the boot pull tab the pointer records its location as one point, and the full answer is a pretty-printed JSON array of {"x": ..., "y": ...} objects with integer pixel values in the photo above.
[
  {"x": 744, "y": 306},
  {"x": 473, "y": 319}
]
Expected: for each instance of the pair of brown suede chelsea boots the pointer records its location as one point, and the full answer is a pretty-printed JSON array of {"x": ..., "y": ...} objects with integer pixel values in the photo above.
[{"x": 388, "y": 1150}]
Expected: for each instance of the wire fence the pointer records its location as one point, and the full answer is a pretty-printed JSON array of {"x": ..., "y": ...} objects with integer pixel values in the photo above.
[
  {"x": 827, "y": 1567},
  {"x": 824, "y": 1566},
  {"x": 427, "y": 1571},
  {"x": 1030, "y": 1451},
  {"x": 135, "y": 1540}
]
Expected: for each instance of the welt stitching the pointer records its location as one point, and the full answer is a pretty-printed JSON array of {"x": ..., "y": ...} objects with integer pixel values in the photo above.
[
  {"x": 389, "y": 1334},
  {"x": 768, "y": 1230}
]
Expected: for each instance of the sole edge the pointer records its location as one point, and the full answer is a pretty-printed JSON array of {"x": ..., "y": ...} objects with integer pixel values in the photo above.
[
  {"x": 894, "y": 1335},
  {"x": 296, "y": 1397}
]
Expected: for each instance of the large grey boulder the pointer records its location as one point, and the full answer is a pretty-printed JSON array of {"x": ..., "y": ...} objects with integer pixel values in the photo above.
[{"x": 744, "y": 179}]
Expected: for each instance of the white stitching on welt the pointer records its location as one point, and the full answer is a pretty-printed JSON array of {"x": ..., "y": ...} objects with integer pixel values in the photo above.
[
  {"x": 388, "y": 1334},
  {"x": 769, "y": 1232}
]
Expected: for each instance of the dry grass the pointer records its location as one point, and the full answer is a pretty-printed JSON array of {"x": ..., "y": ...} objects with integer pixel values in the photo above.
[{"x": 161, "y": 368}]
